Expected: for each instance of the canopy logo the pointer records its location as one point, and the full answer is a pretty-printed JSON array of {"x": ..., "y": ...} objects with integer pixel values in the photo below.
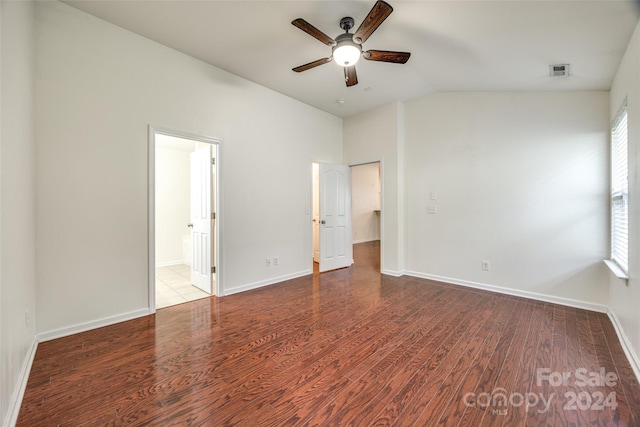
[{"x": 499, "y": 401}]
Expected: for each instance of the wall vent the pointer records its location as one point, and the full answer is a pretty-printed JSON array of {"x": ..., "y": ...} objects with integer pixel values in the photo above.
[{"x": 559, "y": 70}]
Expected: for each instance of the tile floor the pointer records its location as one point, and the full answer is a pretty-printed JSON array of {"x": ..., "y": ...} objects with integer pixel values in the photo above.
[{"x": 173, "y": 286}]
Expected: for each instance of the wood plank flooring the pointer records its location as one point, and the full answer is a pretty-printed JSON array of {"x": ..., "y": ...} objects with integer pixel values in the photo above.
[{"x": 349, "y": 347}]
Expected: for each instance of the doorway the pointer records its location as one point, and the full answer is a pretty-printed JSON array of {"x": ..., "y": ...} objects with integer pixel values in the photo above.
[
  {"x": 183, "y": 205},
  {"x": 366, "y": 203}
]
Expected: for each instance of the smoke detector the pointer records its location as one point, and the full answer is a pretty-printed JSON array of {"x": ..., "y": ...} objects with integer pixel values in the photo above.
[{"x": 559, "y": 70}]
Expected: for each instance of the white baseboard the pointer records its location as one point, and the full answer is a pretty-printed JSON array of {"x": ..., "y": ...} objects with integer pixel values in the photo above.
[
  {"x": 392, "y": 273},
  {"x": 83, "y": 327},
  {"x": 515, "y": 292},
  {"x": 634, "y": 361},
  {"x": 169, "y": 263},
  {"x": 267, "y": 282},
  {"x": 16, "y": 398}
]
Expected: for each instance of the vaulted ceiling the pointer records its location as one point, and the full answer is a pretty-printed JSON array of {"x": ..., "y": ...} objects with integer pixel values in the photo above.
[{"x": 477, "y": 45}]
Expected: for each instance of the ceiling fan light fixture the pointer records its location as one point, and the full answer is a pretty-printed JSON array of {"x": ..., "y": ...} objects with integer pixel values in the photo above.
[
  {"x": 346, "y": 53},
  {"x": 346, "y": 49}
]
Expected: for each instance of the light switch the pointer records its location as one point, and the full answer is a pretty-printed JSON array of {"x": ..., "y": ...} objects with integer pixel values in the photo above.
[
  {"x": 432, "y": 209},
  {"x": 433, "y": 195}
]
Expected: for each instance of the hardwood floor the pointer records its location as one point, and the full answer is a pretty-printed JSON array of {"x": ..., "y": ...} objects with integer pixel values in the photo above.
[{"x": 349, "y": 347}]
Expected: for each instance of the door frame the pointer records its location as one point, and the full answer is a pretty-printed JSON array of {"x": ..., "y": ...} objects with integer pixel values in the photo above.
[
  {"x": 216, "y": 144},
  {"x": 310, "y": 210}
]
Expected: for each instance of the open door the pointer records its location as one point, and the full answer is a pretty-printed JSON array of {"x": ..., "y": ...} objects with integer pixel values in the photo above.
[
  {"x": 336, "y": 250},
  {"x": 201, "y": 218}
]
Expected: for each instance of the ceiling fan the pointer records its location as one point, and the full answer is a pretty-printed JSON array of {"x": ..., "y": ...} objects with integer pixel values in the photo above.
[{"x": 347, "y": 47}]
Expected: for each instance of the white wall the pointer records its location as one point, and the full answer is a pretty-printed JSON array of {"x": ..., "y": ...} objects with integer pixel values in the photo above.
[
  {"x": 173, "y": 200},
  {"x": 17, "y": 203},
  {"x": 377, "y": 135},
  {"x": 624, "y": 301},
  {"x": 365, "y": 198},
  {"x": 521, "y": 181},
  {"x": 98, "y": 88}
]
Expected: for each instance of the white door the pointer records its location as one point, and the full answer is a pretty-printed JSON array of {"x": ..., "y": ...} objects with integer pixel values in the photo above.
[
  {"x": 336, "y": 250},
  {"x": 201, "y": 218}
]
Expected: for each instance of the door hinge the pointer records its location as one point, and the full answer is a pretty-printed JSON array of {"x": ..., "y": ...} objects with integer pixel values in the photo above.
[
  {"x": 213, "y": 161},
  {"x": 213, "y": 215},
  {"x": 213, "y": 270}
]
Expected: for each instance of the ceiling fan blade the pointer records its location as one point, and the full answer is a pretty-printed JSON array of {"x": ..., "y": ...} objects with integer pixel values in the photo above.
[
  {"x": 380, "y": 11},
  {"x": 386, "y": 56},
  {"x": 350, "y": 76},
  {"x": 313, "y": 31},
  {"x": 310, "y": 65}
]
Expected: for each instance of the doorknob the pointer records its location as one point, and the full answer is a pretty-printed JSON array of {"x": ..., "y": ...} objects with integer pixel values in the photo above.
[
  {"x": 323, "y": 222},
  {"x": 190, "y": 225}
]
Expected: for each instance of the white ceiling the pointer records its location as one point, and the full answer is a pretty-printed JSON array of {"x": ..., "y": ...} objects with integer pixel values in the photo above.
[{"x": 477, "y": 45}]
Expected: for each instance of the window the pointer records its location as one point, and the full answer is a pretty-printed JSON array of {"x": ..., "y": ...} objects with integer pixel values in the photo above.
[{"x": 619, "y": 191}]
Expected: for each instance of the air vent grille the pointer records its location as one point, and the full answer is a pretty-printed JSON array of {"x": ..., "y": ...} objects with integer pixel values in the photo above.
[{"x": 559, "y": 70}]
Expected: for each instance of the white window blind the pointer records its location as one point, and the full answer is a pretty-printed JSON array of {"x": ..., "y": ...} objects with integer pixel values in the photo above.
[{"x": 619, "y": 191}]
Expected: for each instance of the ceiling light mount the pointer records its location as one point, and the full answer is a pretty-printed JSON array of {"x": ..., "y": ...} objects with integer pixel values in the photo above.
[{"x": 346, "y": 23}]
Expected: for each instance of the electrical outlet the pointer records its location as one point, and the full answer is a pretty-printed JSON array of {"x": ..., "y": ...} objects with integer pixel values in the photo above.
[
  {"x": 268, "y": 262},
  {"x": 276, "y": 261},
  {"x": 485, "y": 265}
]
